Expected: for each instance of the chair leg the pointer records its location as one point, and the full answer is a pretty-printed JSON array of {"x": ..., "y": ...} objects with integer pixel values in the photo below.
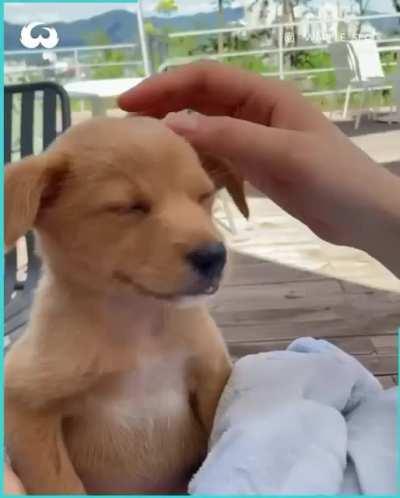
[
  {"x": 332, "y": 99},
  {"x": 392, "y": 112},
  {"x": 99, "y": 107},
  {"x": 381, "y": 105},
  {"x": 346, "y": 102},
  {"x": 361, "y": 108},
  {"x": 371, "y": 107}
]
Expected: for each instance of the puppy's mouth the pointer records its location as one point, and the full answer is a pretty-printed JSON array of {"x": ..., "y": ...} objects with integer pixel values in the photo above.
[
  {"x": 202, "y": 289},
  {"x": 206, "y": 290}
]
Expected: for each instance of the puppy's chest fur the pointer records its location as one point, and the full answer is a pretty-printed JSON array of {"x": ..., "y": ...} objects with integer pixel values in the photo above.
[{"x": 136, "y": 431}]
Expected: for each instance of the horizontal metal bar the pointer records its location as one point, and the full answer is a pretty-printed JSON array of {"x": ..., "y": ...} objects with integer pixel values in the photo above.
[
  {"x": 71, "y": 49},
  {"x": 240, "y": 29},
  {"x": 305, "y": 48},
  {"x": 344, "y": 90},
  {"x": 322, "y": 70},
  {"x": 291, "y": 72},
  {"x": 72, "y": 66}
]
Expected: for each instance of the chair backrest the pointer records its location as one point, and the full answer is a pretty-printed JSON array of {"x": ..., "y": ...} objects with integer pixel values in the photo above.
[
  {"x": 369, "y": 64},
  {"x": 34, "y": 114},
  {"x": 344, "y": 63},
  {"x": 38, "y": 107}
]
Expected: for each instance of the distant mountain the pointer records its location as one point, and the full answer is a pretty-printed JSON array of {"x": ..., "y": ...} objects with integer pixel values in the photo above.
[
  {"x": 119, "y": 25},
  {"x": 385, "y": 25}
]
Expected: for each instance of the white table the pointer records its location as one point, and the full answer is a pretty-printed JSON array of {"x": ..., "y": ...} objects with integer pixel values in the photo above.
[{"x": 100, "y": 93}]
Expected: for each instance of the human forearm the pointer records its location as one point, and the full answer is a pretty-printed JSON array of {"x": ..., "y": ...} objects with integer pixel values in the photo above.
[{"x": 383, "y": 242}]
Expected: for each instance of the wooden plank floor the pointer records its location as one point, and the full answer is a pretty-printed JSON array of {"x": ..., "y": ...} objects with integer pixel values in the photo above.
[{"x": 285, "y": 283}]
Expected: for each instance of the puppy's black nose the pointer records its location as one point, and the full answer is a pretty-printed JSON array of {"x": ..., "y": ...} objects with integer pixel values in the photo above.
[{"x": 208, "y": 260}]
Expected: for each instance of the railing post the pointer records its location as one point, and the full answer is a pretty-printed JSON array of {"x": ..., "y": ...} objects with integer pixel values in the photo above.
[
  {"x": 281, "y": 62},
  {"x": 78, "y": 76},
  {"x": 76, "y": 64}
]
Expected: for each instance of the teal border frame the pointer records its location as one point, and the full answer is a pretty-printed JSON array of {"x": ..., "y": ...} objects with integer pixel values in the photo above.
[
  {"x": 2, "y": 239},
  {"x": 398, "y": 410},
  {"x": 2, "y": 231}
]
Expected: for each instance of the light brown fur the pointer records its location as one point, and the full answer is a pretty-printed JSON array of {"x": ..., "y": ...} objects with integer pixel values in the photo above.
[{"x": 113, "y": 386}]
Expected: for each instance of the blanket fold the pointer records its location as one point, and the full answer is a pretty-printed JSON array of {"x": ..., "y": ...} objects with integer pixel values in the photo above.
[{"x": 308, "y": 420}]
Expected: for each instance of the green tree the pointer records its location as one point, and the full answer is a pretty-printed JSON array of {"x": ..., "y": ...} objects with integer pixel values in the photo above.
[
  {"x": 150, "y": 29},
  {"x": 105, "y": 56},
  {"x": 222, "y": 4},
  {"x": 363, "y": 4},
  {"x": 166, "y": 7},
  {"x": 396, "y": 6},
  {"x": 98, "y": 37}
]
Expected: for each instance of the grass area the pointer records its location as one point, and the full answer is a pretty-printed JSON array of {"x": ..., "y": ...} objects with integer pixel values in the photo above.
[
  {"x": 77, "y": 106},
  {"x": 295, "y": 61},
  {"x": 334, "y": 102}
]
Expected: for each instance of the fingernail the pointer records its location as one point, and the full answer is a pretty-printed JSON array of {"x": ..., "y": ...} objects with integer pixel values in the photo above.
[{"x": 182, "y": 121}]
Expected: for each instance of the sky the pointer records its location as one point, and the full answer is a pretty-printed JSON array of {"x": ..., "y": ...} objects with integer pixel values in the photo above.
[{"x": 19, "y": 13}]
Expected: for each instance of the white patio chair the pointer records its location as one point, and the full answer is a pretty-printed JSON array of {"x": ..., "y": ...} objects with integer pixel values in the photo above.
[{"x": 358, "y": 68}]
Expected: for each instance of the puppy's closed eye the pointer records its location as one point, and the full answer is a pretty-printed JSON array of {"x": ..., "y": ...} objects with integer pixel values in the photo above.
[
  {"x": 138, "y": 207},
  {"x": 207, "y": 196}
]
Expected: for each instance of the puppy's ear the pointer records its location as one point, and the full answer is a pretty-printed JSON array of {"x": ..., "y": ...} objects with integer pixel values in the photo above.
[
  {"x": 223, "y": 175},
  {"x": 30, "y": 184}
]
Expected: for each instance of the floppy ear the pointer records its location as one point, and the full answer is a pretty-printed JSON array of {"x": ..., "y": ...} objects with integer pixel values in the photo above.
[
  {"x": 223, "y": 175},
  {"x": 29, "y": 185}
]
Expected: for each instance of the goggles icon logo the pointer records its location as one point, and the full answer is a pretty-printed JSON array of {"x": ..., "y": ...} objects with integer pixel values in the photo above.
[{"x": 30, "y": 41}]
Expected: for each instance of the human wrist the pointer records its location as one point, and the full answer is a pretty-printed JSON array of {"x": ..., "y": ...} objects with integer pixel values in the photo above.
[{"x": 383, "y": 241}]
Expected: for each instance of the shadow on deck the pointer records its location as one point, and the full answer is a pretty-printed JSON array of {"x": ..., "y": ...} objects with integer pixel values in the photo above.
[{"x": 285, "y": 283}]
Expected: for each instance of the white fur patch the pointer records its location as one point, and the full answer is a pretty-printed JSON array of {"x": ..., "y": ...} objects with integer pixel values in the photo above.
[
  {"x": 155, "y": 389},
  {"x": 192, "y": 301}
]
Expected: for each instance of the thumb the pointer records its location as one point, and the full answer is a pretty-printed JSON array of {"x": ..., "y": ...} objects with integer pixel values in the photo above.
[{"x": 257, "y": 151}]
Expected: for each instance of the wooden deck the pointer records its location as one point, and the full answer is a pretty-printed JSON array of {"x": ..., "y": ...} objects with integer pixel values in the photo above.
[{"x": 285, "y": 283}]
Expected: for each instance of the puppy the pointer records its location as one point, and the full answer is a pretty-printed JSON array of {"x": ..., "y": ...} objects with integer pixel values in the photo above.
[{"x": 113, "y": 387}]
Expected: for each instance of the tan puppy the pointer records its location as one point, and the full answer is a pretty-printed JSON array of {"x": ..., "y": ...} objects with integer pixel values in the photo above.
[{"x": 113, "y": 387}]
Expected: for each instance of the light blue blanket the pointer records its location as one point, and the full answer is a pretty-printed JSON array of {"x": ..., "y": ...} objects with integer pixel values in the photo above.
[{"x": 309, "y": 420}]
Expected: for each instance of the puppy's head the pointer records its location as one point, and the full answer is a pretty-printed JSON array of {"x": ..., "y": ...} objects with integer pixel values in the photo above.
[{"x": 122, "y": 204}]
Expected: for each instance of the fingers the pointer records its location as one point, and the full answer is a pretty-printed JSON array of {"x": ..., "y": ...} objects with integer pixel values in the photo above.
[
  {"x": 185, "y": 87},
  {"x": 12, "y": 485},
  {"x": 260, "y": 153},
  {"x": 215, "y": 89}
]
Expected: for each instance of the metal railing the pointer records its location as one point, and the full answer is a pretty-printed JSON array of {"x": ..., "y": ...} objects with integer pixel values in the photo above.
[
  {"x": 71, "y": 62},
  {"x": 390, "y": 44},
  {"x": 79, "y": 62}
]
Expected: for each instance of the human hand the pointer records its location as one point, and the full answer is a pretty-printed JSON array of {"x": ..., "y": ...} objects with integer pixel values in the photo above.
[
  {"x": 285, "y": 147},
  {"x": 12, "y": 485}
]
